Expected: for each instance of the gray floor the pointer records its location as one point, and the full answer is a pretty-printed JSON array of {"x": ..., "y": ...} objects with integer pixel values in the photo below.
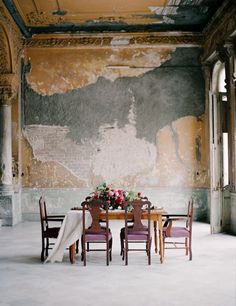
[{"x": 209, "y": 280}]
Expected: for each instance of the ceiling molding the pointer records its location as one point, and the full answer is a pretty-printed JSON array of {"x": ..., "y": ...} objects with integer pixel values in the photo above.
[
  {"x": 17, "y": 17},
  {"x": 221, "y": 28},
  {"x": 76, "y": 17},
  {"x": 114, "y": 40}
]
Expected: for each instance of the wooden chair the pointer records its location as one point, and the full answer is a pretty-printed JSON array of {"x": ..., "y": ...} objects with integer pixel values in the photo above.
[
  {"x": 122, "y": 231},
  {"x": 96, "y": 233},
  {"x": 138, "y": 232},
  {"x": 48, "y": 232},
  {"x": 172, "y": 234}
]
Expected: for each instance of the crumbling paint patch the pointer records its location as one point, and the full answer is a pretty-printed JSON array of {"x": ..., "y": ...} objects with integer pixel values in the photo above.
[
  {"x": 45, "y": 174},
  {"x": 50, "y": 143},
  {"x": 119, "y": 157},
  {"x": 134, "y": 131},
  {"x": 60, "y": 71},
  {"x": 122, "y": 154},
  {"x": 198, "y": 148},
  {"x": 160, "y": 97}
]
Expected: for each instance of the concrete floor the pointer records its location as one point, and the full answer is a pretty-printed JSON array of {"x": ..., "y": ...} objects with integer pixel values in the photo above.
[{"x": 209, "y": 280}]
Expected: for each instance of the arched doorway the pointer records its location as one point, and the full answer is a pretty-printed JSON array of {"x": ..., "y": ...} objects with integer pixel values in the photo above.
[{"x": 219, "y": 156}]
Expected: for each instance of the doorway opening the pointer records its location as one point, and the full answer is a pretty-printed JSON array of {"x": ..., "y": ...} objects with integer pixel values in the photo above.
[{"x": 219, "y": 151}]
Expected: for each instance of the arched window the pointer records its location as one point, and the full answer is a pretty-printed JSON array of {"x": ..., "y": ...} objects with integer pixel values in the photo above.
[{"x": 224, "y": 117}]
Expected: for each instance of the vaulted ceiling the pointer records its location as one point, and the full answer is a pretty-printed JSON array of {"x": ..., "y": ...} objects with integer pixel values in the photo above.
[{"x": 73, "y": 16}]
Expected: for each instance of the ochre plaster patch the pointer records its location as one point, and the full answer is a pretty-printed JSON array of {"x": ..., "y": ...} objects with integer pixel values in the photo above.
[
  {"x": 60, "y": 71},
  {"x": 177, "y": 163}
]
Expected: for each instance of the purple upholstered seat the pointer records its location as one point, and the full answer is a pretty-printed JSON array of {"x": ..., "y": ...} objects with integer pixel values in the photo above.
[
  {"x": 137, "y": 235},
  {"x": 97, "y": 237},
  {"x": 177, "y": 232}
]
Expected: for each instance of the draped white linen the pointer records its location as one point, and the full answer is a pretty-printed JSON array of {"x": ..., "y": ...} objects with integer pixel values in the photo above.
[{"x": 70, "y": 231}]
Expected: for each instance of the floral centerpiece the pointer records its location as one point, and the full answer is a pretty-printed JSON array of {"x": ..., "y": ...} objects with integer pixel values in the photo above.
[{"x": 114, "y": 197}]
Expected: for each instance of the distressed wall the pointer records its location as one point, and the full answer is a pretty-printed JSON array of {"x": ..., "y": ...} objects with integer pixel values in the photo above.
[{"x": 133, "y": 117}]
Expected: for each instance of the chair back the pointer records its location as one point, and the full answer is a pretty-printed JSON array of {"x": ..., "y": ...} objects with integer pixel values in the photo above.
[
  {"x": 189, "y": 221},
  {"x": 138, "y": 208},
  {"x": 43, "y": 213},
  {"x": 94, "y": 207}
]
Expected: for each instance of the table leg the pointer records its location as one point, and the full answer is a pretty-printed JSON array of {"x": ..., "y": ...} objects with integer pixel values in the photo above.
[
  {"x": 155, "y": 234},
  {"x": 72, "y": 253},
  {"x": 161, "y": 246}
]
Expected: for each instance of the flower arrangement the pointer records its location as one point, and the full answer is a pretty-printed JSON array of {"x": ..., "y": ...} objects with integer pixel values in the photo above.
[{"x": 114, "y": 196}]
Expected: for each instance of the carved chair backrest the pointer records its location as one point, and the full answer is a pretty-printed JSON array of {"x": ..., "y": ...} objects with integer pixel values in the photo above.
[
  {"x": 138, "y": 208},
  {"x": 94, "y": 207}
]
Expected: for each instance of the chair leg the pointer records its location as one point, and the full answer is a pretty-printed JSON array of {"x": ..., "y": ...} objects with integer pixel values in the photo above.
[
  {"x": 72, "y": 251},
  {"x": 47, "y": 246},
  {"x": 83, "y": 254},
  {"x": 190, "y": 248},
  {"x": 150, "y": 248},
  {"x": 186, "y": 246},
  {"x": 110, "y": 249},
  {"x": 88, "y": 247},
  {"x": 126, "y": 252},
  {"x": 42, "y": 252},
  {"x": 121, "y": 244},
  {"x": 149, "y": 252},
  {"x": 77, "y": 246},
  {"x": 107, "y": 252}
]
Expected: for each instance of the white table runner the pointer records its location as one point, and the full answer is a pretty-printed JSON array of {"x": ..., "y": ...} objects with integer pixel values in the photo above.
[{"x": 70, "y": 231}]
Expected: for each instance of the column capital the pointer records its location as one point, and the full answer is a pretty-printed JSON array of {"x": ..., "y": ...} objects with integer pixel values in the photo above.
[
  {"x": 8, "y": 88},
  {"x": 230, "y": 45}
]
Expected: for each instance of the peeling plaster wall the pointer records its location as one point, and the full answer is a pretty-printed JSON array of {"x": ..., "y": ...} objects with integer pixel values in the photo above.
[
  {"x": 60, "y": 71},
  {"x": 90, "y": 116}
]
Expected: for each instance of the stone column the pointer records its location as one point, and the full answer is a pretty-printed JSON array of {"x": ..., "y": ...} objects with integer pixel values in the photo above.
[
  {"x": 207, "y": 77},
  {"x": 6, "y": 188},
  {"x": 231, "y": 90},
  {"x": 5, "y": 146},
  {"x": 230, "y": 69}
]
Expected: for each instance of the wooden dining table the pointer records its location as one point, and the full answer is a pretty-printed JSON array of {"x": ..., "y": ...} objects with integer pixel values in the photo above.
[{"x": 155, "y": 216}]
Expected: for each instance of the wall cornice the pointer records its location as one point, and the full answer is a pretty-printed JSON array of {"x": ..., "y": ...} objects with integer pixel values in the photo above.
[{"x": 114, "y": 40}]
